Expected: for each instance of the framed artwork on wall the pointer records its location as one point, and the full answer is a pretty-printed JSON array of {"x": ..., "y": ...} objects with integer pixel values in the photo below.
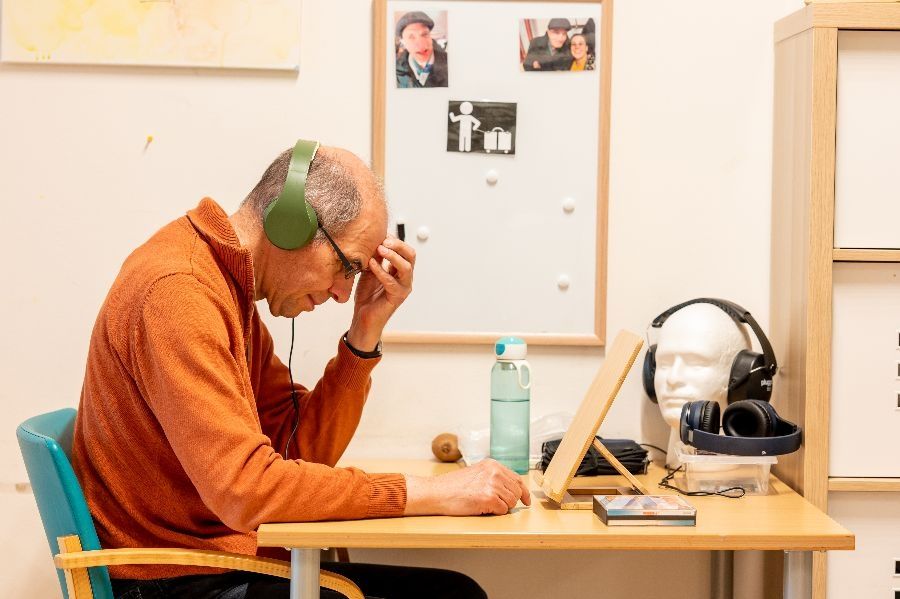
[{"x": 220, "y": 34}]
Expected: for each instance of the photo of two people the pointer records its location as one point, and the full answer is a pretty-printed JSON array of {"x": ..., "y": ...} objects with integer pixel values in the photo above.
[{"x": 557, "y": 44}]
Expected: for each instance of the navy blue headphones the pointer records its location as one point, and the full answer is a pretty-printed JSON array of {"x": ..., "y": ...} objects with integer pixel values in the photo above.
[
  {"x": 750, "y": 423},
  {"x": 751, "y": 427}
]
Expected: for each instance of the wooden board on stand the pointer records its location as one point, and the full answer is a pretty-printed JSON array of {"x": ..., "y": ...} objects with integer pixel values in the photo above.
[{"x": 557, "y": 479}]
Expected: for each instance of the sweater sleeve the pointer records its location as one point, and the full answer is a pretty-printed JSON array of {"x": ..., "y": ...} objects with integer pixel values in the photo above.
[
  {"x": 184, "y": 346},
  {"x": 329, "y": 413}
]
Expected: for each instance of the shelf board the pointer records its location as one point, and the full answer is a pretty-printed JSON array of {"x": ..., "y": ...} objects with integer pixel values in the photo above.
[
  {"x": 846, "y": 255},
  {"x": 863, "y": 484}
]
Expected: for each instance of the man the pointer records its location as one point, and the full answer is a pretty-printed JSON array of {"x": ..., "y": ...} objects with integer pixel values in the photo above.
[
  {"x": 187, "y": 433},
  {"x": 419, "y": 62},
  {"x": 550, "y": 52}
]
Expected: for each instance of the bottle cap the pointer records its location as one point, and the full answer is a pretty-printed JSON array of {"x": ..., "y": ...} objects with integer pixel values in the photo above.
[{"x": 510, "y": 348}]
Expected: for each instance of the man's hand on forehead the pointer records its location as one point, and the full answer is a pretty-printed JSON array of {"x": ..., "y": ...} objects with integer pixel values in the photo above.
[{"x": 381, "y": 289}]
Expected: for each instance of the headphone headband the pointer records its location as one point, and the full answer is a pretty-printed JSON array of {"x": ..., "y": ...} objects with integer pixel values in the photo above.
[
  {"x": 787, "y": 440},
  {"x": 290, "y": 221},
  {"x": 736, "y": 312}
]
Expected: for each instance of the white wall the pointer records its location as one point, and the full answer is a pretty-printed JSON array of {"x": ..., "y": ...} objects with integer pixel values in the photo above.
[{"x": 689, "y": 216}]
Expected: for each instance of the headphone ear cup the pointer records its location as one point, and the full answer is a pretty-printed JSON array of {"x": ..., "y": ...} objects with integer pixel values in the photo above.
[
  {"x": 289, "y": 221},
  {"x": 759, "y": 382},
  {"x": 649, "y": 374},
  {"x": 698, "y": 416},
  {"x": 290, "y": 225},
  {"x": 749, "y": 418},
  {"x": 708, "y": 415},
  {"x": 747, "y": 371}
]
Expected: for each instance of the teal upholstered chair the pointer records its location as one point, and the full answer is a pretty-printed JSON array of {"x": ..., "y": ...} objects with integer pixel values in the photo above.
[{"x": 46, "y": 442}]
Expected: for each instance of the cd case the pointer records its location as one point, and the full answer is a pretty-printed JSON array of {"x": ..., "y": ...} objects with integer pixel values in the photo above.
[{"x": 644, "y": 510}]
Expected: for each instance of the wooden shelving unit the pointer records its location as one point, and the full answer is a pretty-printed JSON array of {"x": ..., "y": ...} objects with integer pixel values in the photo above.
[
  {"x": 865, "y": 485},
  {"x": 853, "y": 255},
  {"x": 803, "y": 244}
]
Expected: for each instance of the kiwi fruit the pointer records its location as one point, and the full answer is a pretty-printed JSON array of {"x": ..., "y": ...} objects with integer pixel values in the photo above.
[{"x": 445, "y": 447}]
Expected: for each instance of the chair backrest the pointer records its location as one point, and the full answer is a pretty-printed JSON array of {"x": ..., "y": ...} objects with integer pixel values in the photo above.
[{"x": 46, "y": 444}]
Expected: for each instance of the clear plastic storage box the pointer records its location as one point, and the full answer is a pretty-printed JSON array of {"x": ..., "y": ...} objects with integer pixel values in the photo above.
[{"x": 712, "y": 472}]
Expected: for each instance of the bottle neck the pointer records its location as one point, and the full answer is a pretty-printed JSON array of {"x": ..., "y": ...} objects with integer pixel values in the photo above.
[{"x": 521, "y": 366}]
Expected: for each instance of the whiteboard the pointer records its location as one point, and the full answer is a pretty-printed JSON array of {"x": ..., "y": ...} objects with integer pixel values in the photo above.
[{"x": 497, "y": 256}]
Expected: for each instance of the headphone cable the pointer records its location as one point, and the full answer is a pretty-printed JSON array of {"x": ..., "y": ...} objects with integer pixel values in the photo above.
[
  {"x": 293, "y": 395},
  {"x": 730, "y": 492},
  {"x": 659, "y": 449}
]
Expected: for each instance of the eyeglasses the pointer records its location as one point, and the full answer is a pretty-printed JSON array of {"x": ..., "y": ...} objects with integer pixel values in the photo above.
[{"x": 351, "y": 267}]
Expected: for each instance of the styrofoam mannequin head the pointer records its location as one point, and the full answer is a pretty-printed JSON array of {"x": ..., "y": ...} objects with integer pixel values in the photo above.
[{"x": 694, "y": 352}]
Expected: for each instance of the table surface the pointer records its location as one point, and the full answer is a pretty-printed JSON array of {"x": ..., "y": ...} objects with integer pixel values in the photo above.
[{"x": 781, "y": 520}]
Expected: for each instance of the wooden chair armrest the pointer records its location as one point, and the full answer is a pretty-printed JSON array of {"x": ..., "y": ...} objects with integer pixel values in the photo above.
[{"x": 202, "y": 558}]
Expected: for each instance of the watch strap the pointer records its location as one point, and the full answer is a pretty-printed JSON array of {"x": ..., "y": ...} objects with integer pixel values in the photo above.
[{"x": 368, "y": 355}]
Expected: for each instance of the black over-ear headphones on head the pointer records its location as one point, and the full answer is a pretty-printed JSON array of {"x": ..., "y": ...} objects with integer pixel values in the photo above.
[
  {"x": 750, "y": 423},
  {"x": 751, "y": 372}
]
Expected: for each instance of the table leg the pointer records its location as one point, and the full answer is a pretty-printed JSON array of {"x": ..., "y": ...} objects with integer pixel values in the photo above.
[
  {"x": 305, "y": 573},
  {"x": 721, "y": 574},
  {"x": 797, "y": 574}
]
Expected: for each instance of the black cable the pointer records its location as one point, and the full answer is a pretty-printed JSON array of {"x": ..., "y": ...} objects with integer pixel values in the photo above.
[
  {"x": 659, "y": 449},
  {"x": 666, "y": 484},
  {"x": 293, "y": 395}
]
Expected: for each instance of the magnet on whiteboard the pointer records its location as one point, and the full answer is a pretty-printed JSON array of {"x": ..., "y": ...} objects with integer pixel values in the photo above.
[
  {"x": 423, "y": 233},
  {"x": 563, "y": 282},
  {"x": 568, "y": 205},
  {"x": 491, "y": 177}
]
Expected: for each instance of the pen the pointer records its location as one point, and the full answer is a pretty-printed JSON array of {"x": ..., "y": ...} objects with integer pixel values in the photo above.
[{"x": 401, "y": 231}]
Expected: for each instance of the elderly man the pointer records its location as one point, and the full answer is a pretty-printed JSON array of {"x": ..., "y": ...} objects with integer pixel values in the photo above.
[
  {"x": 419, "y": 63},
  {"x": 191, "y": 432},
  {"x": 550, "y": 52}
]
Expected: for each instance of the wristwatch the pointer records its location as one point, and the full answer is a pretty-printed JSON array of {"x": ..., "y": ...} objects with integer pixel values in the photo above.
[{"x": 376, "y": 353}]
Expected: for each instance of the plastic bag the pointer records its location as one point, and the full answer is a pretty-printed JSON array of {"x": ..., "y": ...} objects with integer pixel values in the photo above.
[{"x": 475, "y": 444}]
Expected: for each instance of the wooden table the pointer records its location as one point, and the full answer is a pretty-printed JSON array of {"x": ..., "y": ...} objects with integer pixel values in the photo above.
[{"x": 781, "y": 520}]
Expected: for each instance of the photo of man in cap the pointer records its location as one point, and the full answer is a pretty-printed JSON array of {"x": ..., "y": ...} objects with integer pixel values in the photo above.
[
  {"x": 550, "y": 52},
  {"x": 420, "y": 61}
]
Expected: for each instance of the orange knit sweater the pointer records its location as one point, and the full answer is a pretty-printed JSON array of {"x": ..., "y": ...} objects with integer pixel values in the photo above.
[{"x": 185, "y": 408}]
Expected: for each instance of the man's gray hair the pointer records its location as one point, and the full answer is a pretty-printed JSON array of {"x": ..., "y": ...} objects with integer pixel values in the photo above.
[{"x": 330, "y": 188}]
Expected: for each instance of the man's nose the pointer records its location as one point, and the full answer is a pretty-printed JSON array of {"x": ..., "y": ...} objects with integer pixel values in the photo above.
[
  {"x": 674, "y": 376},
  {"x": 341, "y": 289}
]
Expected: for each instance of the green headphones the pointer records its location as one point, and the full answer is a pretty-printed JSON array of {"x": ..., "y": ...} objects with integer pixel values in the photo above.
[{"x": 290, "y": 221}]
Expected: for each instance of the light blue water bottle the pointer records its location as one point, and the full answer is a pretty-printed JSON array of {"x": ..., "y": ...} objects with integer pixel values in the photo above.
[{"x": 510, "y": 405}]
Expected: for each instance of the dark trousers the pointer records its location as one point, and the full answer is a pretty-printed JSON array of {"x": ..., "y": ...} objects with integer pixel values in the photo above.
[{"x": 375, "y": 581}]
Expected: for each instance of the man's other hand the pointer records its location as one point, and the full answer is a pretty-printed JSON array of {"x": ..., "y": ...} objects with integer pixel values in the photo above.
[{"x": 488, "y": 487}]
